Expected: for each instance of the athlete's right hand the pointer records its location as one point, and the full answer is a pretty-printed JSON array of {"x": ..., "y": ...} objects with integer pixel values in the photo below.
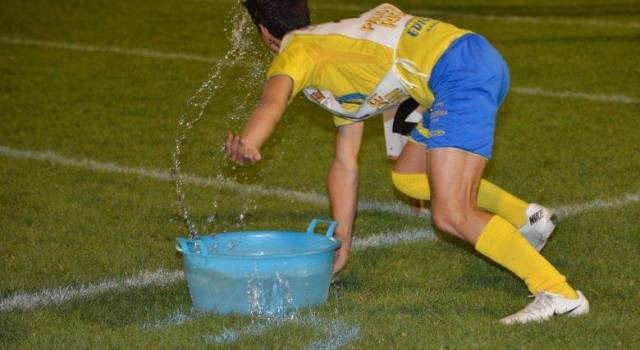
[{"x": 239, "y": 152}]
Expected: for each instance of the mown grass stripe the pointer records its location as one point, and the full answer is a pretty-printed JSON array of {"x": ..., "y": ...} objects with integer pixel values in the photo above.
[{"x": 523, "y": 90}]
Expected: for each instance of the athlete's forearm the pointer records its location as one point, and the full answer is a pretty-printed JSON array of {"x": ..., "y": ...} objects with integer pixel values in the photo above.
[
  {"x": 269, "y": 111},
  {"x": 343, "y": 189},
  {"x": 261, "y": 124},
  {"x": 343, "y": 186}
]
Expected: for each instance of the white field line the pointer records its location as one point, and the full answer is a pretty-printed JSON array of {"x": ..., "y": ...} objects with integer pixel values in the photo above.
[
  {"x": 306, "y": 197},
  {"x": 523, "y": 90},
  {"x": 528, "y": 19},
  {"x": 491, "y": 18},
  {"x": 222, "y": 183},
  {"x": 45, "y": 297},
  {"x": 177, "y": 318},
  {"x": 26, "y": 301},
  {"x": 611, "y": 203},
  {"x": 108, "y": 49},
  {"x": 393, "y": 238},
  {"x": 536, "y": 91},
  {"x": 228, "y": 336},
  {"x": 331, "y": 333},
  {"x": 56, "y": 296}
]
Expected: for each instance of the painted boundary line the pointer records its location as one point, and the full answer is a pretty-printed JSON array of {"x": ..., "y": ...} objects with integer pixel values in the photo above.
[
  {"x": 337, "y": 333},
  {"x": 221, "y": 183},
  {"x": 533, "y": 20},
  {"x": 492, "y": 18},
  {"x": 523, "y": 90},
  {"x": 45, "y": 297},
  {"x": 536, "y": 91},
  {"x": 306, "y": 197},
  {"x": 56, "y": 296},
  {"x": 616, "y": 202},
  {"x": 108, "y": 49},
  {"x": 329, "y": 333}
]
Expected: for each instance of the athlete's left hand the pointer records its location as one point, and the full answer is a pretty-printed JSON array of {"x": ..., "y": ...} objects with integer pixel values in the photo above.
[
  {"x": 340, "y": 260},
  {"x": 239, "y": 151}
]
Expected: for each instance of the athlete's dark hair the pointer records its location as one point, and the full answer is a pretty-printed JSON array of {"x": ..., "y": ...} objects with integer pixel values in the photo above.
[{"x": 279, "y": 16}]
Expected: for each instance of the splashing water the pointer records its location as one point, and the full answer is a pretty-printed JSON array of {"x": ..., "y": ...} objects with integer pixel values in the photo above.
[
  {"x": 238, "y": 29},
  {"x": 332, "y": 333},
  {"x": 270, "y": 297},
  {"x": 177, "y": 318}
]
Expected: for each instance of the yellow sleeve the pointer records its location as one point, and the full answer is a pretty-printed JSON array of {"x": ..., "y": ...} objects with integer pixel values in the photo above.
[{"x": 295, "y": 63}]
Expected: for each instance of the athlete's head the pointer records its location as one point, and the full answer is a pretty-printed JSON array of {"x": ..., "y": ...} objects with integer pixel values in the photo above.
[{"x": 278, "y": 17}]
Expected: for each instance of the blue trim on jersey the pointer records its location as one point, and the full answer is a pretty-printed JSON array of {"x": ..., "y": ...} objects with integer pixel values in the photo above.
[
  {"x": 469, "y": 83},
  {"x": 355, "y": 97}
]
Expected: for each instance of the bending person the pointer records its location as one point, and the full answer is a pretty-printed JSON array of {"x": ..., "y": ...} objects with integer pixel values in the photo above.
[{"x": 357, "y": 68}]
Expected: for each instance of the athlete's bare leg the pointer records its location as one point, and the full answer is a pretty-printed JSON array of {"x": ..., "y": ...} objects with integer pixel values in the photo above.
[
  {"x": 412, "y": 159},
  {"x": 454, "y": 177}
]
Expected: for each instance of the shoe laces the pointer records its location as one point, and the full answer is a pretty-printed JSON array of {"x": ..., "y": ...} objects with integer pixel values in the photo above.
[{"x": 542, "y": 303}]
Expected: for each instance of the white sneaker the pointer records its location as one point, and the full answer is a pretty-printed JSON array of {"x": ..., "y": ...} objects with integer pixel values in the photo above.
[
  {"x": 545, "y": 305},
  {"x": 540, "y": 224}
]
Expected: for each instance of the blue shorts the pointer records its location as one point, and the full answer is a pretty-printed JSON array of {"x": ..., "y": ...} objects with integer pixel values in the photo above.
[{"x": 469, "y": 83}]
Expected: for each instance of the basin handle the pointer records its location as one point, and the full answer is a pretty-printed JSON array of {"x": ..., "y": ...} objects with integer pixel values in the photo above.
[
  {"x": 331, "y": 226},
  {"x": 182, "y": 245}
]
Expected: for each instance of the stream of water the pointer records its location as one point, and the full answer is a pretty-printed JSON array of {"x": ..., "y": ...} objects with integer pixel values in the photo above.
[{"x": 244, "y": 55}]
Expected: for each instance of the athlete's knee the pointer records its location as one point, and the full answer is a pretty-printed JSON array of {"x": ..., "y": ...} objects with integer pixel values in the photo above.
[
  {"x": 444, "y": 220},
  {"x": 413, "y": 185},
  {"x": 450, "y": 216}
]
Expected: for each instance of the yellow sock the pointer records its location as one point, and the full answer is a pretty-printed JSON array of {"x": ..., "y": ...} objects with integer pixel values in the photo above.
[
  {"x": 490, "y": 197},
  {"x": 501, "y": 242},
  {"x": 498, "y": 201}
]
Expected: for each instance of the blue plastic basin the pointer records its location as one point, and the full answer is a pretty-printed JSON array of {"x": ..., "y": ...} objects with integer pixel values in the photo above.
[{"x": 259, "y": 272}]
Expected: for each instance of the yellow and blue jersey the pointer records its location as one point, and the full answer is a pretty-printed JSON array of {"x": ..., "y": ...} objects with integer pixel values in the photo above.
[
  {"x": 358, "y": 67},
  {"x": 350, "y": 57}
]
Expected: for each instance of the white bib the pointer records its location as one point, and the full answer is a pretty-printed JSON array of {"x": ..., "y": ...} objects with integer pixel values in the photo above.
[{"x": 383, "y": 25}]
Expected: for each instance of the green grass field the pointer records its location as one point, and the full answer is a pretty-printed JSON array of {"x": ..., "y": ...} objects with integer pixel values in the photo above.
[{"x": 89, "y": 96}]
